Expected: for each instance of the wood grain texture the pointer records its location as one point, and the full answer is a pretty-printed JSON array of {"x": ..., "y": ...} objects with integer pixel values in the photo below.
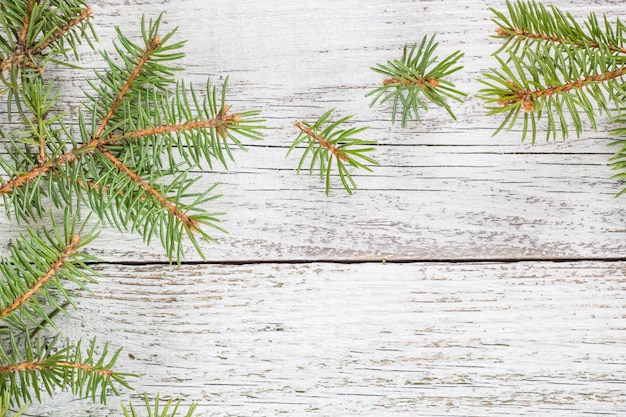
[
  {"x": 297, "y": 315},
  {"x": 445, "y": 190},
  {"x": 427, "y": 339}
]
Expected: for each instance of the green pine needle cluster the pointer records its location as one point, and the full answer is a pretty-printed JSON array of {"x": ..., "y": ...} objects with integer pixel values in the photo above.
[
  {"x": 328, "y": 145},
  {"x": 45, "y": 367},
  {"x": 554, "y": 70},
  {"x": 36, "y": 274},
  {"x": 417, "y": 79},
  {"x": 618, "y": 161},
  {"x": 51, "y": 30}
]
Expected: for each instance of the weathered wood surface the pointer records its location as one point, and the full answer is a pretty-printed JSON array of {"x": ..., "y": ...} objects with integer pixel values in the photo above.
[
  {"x": 372, "y": 339},
  {"x": 445, "y": 190},
  {"x": 444, "y": 333}
]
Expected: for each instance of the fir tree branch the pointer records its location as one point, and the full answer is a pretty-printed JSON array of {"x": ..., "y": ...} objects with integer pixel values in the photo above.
[
  {"x": 417, "y": 78},
  {"x": 526, "y": 98},
  {"x": 323, "y": 142},
  {"x": 189, "y": 223},
  {"x": 44, "y": 364},
  {"x": 326, "y": 142},
  {"x": 63, "y": 258},
  {"x": 522, "y": 35},
  {"x": 25, "y": 50},
  {"x": 39, "y": 262},
  {"x": 37, "y": 367},
  {"x": 152, "y": 46},
  {"x": 220, "y": 123},
  {"x": 43, "y": 169},
  {"x": 62, "y": 31},
  {"x": 531, "y": 21}
]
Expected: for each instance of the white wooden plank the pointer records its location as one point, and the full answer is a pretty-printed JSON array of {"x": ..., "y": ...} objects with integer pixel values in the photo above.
[
  {"x": 461, "y": 339},
  {"x": 445, "y": 189},
  {"x": 451, "y": 204}
]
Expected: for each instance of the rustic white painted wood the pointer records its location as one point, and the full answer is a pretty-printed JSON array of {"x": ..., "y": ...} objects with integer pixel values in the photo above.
[
  {"x": 441, "y": 334},
  {"x": 445, "y": 190},
  {"x": 372, "y": 339}
]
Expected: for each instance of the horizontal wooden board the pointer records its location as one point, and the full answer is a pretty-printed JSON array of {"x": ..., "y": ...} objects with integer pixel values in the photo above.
[
  {"x": 428, "y": 339},
  {"x": 445, "y": 189},
  {"x": 424, "y": 202}
]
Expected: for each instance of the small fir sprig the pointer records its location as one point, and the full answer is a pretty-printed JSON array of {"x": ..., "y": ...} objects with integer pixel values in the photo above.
[
  {"x": 553, "y": 69},
  {"x": 154, "y": 409},
  {"x": 531, "y": 22},
  {"x": 35, "y": 274},
  {"x": 328, "y": 146},
  {"x": 415, "y": 80},
  {"x": 36, "y": 33},
  {"x": 31, "y": 368}
]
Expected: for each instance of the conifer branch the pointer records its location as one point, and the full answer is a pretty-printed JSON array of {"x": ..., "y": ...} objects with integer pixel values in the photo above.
[
  {"x": 43, "y": 169},
  {"x": 153, "y": 44},
  {"x": 62, "y": 31},
  {"x": 26, "y": 47},
  {"x": 326, "y": 143},
  {"x": 554, "y": 69},
  {"x": 44, "y": 365},
  {"x": 526, "y": 98},
  {"x": 323, "y": 142},
  {"x": 63, "y": 258},
  {"x": 415, "y": 79},
  {"x": 189, "y": 223},
  {"x": 43, "y": 368},
  {"x": 525, "y": 35},
  {"x": 531, "y": 21},
  {"x": 39, "y": 262},
  {"x": 220, "y": 123}
]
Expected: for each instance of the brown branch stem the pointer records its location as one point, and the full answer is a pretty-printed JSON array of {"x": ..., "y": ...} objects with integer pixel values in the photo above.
[
  {"x": 145, "y": 57},
  {"x": 22, "y": 53},
  {"x": 39, "y": 170},
  {"x": 220, "y": 122},
  {"x": 526, "y": 97},
  {"x": 323, "y": 142},
  {"x": 525, "y": 34},
  {"x": 45, "y": 364},
  {"x": 82, "y": 16},
  {"x": 21, "y": 38},
  {"x": 422, "y": 82},
  {"x": 188, "y": 222},
  {"x": 62, "y": 259}
]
